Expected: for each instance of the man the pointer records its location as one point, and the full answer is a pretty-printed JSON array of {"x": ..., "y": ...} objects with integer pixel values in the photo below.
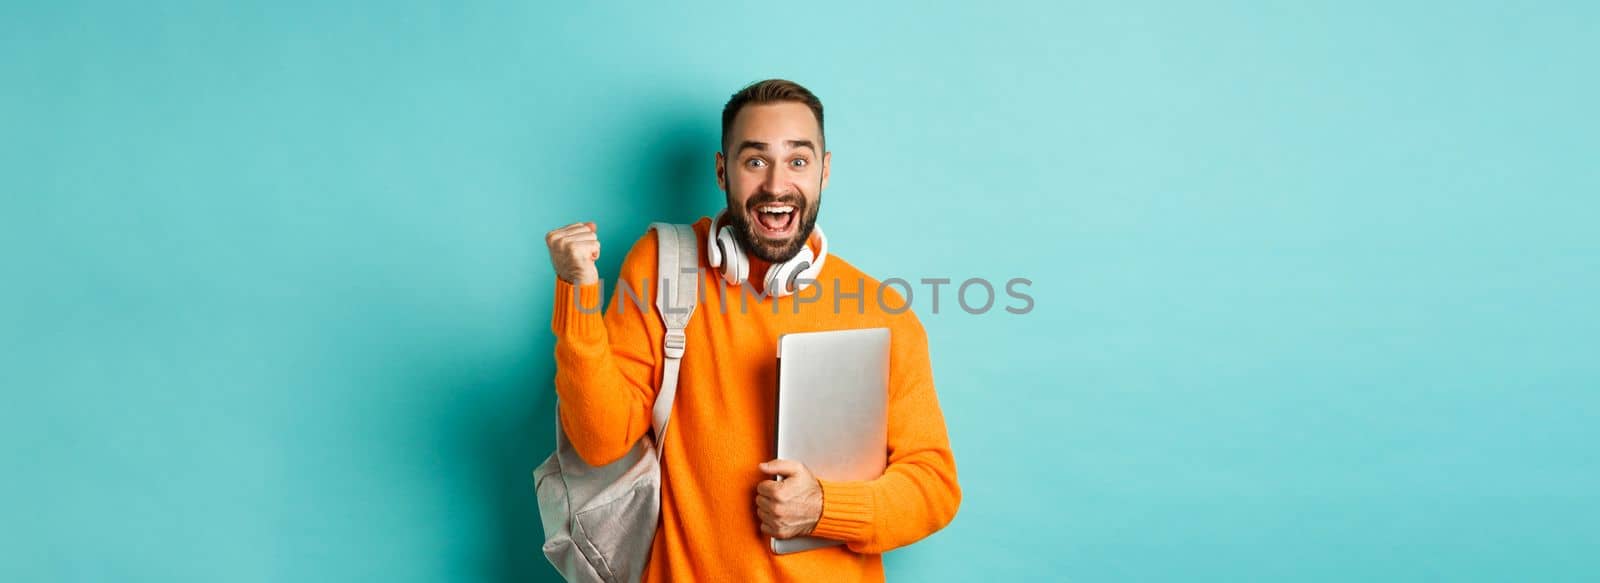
[{"x": 720, "y": 500}]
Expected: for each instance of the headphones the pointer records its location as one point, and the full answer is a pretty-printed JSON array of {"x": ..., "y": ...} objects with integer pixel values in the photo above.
[{"x": 781, "y": 278}]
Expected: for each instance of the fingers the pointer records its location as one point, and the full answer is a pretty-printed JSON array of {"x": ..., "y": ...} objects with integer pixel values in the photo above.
[
  {"x": 589, "y": 248},
  {"x": 578, "y": 239},
  {"x": 766, "y": 502},
  {"x": 580, "y": 236},
  {"x": 768, "y": 488},
  {"x": 580, "y": 232},
  {"x": 770, "y": 527},
  {"x": 767, "y": 510},
  {"x": 782, "y": 467},
  {"x": 562, "y": 232},
  {"x": 583, "y": 225},
  {"x": 559, "y": 233},
  {"x": 776, "y": 500},
  {"x": 772, "y": 519},
  {"x": 574, "y": 249}
]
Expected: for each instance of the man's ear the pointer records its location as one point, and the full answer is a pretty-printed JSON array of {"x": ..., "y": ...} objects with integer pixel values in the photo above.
[
  {"x": 827, "y": 160},
  {"x": 722, "y": 173}
]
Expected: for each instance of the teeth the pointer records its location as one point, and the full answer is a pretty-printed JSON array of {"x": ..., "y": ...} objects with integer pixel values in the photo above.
[{"x": 777, "y": 209}]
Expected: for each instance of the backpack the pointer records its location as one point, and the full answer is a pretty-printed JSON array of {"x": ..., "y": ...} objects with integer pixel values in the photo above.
[{"x": 599, "y": 522}]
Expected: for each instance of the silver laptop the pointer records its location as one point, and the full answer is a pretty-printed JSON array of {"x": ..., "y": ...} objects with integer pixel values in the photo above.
[{"x": 833, "y": 408}]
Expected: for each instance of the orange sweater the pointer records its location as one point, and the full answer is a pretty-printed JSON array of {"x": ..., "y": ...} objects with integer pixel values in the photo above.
[{"x": 609, "y": 369}]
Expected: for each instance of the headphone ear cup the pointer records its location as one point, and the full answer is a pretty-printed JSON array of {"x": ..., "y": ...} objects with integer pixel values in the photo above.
[
  {"x": 735, "y": 267},
  {"x": 714, "y": 249},
  {"x": 782, "y": 278}
]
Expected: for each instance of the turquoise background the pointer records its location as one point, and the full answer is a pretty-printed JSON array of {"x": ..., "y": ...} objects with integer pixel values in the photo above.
[{"x": 1315, "y": 285}]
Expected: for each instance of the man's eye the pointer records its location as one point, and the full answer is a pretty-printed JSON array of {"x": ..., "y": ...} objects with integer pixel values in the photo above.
[
  {"x": 799, "y": 162},
  {"x": 755, "y": 163}
]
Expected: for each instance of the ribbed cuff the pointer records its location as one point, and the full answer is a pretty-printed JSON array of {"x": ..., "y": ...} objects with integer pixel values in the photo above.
[
  {"x": 572, "y": 320},
  {"x": 846, "y": 511}
]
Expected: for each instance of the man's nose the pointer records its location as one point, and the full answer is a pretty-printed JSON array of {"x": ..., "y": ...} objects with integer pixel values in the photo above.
[{"x": 774, "y": 183}]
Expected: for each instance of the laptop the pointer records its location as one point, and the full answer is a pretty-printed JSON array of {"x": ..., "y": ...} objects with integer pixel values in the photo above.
[{"x": 833, "y": 392}]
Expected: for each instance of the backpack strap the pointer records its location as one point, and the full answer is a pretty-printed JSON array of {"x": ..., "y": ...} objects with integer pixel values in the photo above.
[{"x": 678, "y": 275}]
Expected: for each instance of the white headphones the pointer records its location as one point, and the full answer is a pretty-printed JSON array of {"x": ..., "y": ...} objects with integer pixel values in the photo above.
[{"x": 781, "y": 279}]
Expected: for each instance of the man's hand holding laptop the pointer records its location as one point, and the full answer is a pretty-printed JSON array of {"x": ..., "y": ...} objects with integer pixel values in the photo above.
[{"x": 790, "y": 504}]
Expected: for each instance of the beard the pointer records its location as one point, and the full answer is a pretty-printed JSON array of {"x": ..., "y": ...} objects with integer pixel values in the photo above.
[{"x": 773, "y": 251}]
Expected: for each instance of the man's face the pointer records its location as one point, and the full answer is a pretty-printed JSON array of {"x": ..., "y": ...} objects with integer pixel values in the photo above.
[{"x": 773, "y": 173}]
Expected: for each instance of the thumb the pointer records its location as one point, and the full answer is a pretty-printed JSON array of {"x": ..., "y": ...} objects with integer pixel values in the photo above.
[{"x": 782, "y": 467}]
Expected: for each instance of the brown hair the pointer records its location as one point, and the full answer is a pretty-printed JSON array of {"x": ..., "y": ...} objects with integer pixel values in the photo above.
[{"x": 770, "y": 91}]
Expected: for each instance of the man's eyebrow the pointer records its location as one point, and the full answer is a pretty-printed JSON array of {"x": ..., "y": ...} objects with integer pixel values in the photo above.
[
  {"x": 762, "y": 146},
  {"x": 802, "y": 144}
]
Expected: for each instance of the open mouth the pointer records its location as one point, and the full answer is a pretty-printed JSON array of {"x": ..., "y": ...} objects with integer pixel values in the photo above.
[{"x": 775, "y": 220}]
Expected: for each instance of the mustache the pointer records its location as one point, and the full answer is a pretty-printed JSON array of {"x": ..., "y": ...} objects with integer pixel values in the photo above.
[{"x": 757, "y": 201}]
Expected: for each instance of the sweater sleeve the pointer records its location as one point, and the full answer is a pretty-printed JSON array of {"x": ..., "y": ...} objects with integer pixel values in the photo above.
[
  {"x": 917, "y": 493},
  {"x": 606, "y": 366}
]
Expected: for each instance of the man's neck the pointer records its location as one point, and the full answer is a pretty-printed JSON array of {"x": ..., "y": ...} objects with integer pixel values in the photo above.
[{"x": 758, "y": 274}]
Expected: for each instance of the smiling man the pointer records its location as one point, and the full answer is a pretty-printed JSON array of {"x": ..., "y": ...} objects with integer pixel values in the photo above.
[{"x": 720, "y": 501}]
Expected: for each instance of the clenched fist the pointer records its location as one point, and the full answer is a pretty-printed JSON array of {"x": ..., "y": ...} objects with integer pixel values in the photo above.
[{"x": 573, "y": 251}]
